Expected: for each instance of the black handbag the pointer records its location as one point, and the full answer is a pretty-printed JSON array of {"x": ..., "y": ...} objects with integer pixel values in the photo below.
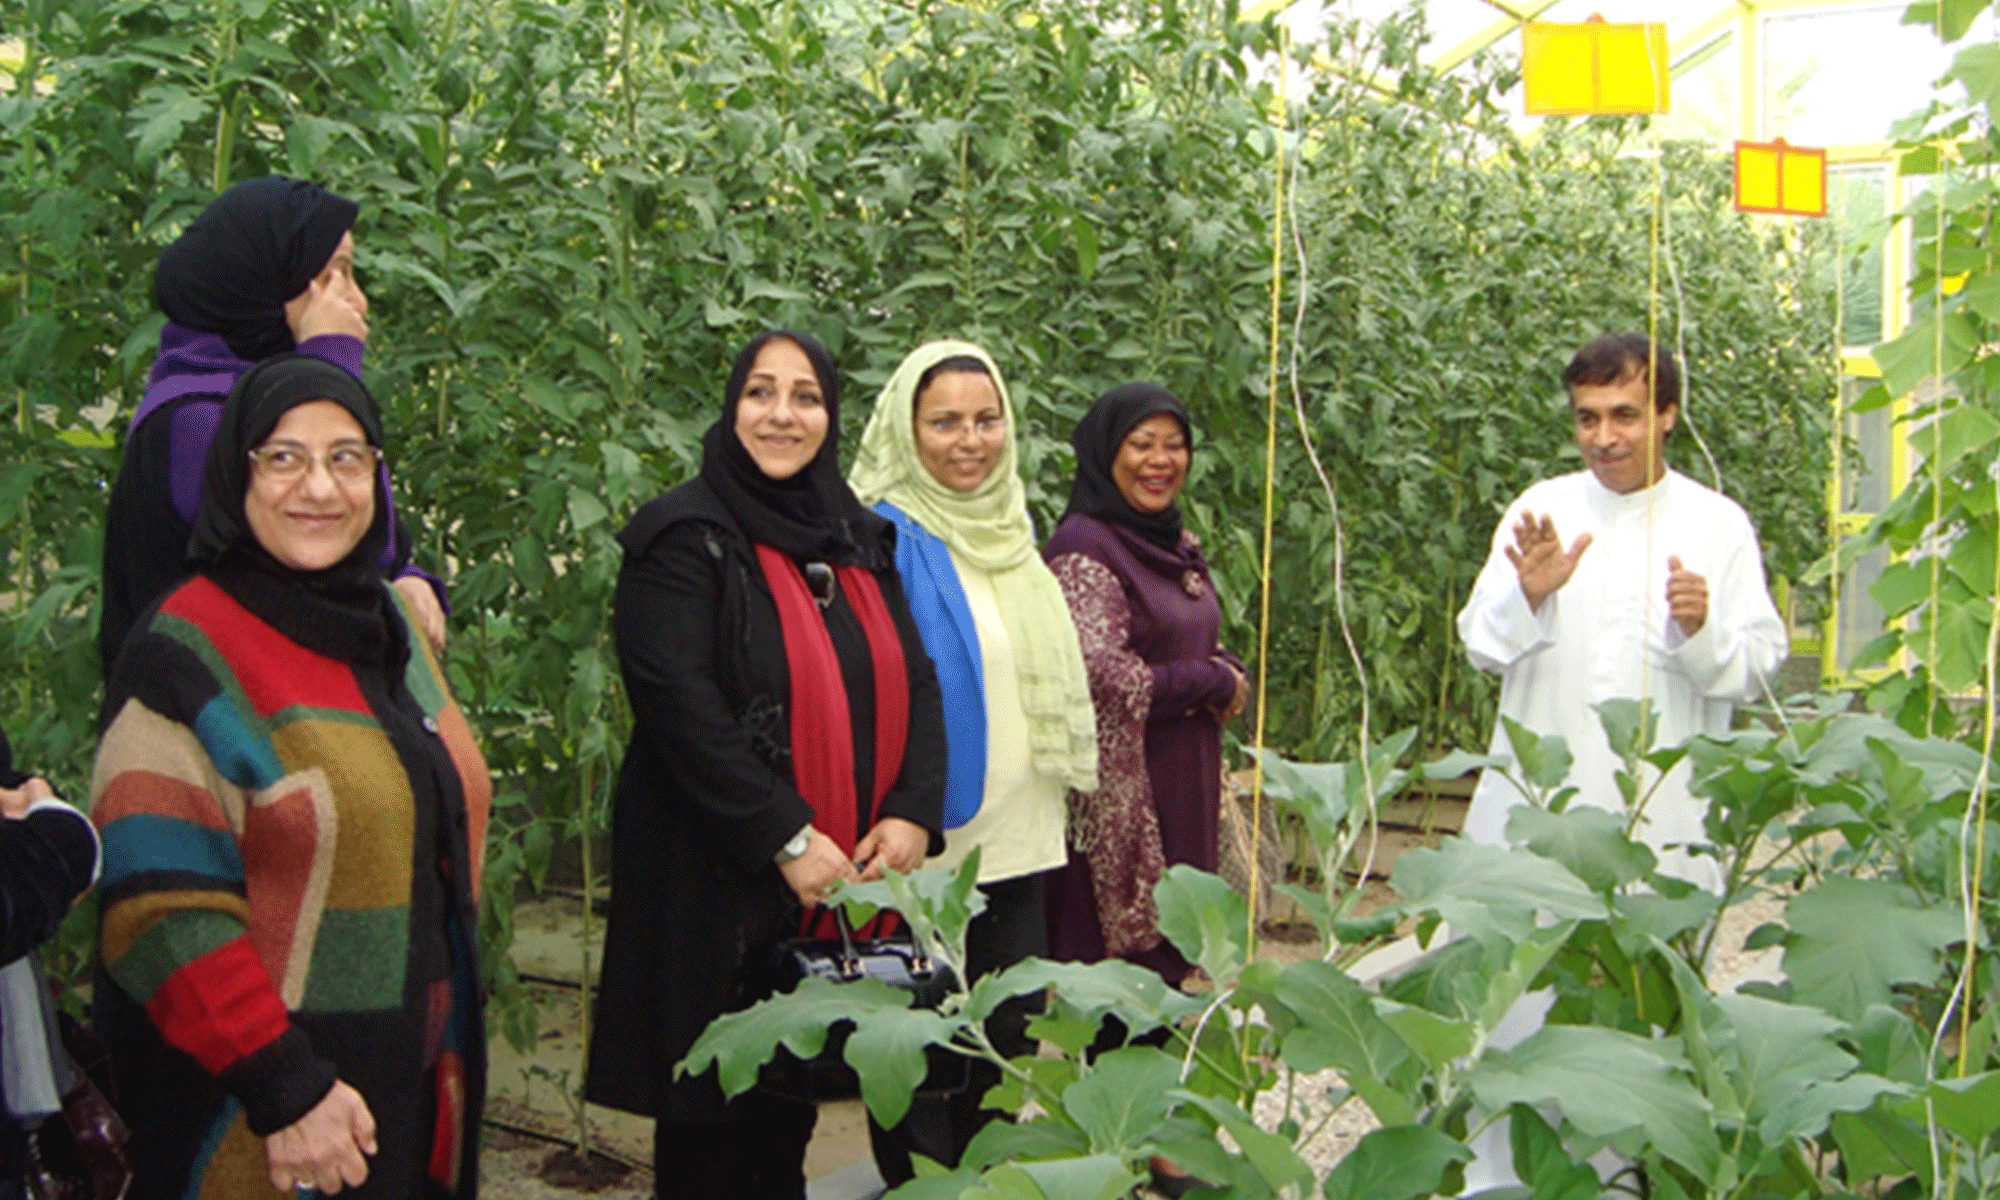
[
  {"x": 896, "y": 960},
  {"x": 79, "y": 1153}
]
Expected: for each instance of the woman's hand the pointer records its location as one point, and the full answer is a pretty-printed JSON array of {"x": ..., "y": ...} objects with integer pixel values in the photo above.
[
  {"x": 14, "y": 802},
  {"x": 324, "y": 1149},
  {"x": 813, "y": 873},
  {"x": 1224, "y": 716},
  {"x": 894, "y": 842},
  {"x": 329, "y": 308},
  {"x": 423, "y": 601}
]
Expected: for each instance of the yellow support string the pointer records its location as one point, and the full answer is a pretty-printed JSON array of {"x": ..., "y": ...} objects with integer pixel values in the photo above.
[
  {"x": 1652, "y": 407},
  {"x": 1837, "y": 490},
  {"x": 1937, "y": 445},
  {"x": 1270, "y": 481}
]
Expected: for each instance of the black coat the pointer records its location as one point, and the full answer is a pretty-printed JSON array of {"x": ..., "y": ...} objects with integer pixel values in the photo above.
[{"x": 705, "y": 799}]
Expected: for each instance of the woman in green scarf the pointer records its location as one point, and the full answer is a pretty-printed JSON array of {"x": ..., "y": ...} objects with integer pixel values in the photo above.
[{"x": 938, "y": 459}]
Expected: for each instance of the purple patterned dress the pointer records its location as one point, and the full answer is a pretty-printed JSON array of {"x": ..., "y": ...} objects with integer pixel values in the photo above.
[{"x": 1147, "y": 621}]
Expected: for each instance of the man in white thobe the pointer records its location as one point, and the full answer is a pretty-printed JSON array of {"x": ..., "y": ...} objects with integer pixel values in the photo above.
[{"x": 1625, "y": 580}]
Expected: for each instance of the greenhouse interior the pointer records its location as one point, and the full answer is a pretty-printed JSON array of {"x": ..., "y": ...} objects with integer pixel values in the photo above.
[{"x": 1438, "y": 770}]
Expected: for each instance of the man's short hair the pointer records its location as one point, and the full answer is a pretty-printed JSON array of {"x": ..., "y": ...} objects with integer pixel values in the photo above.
[{"x": 1618, "y": 357}]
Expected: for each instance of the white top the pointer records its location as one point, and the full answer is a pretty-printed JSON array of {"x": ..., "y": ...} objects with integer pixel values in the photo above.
[
  {"x": 1019, "y": 824},
  {"x": 1607, "y": 634}
]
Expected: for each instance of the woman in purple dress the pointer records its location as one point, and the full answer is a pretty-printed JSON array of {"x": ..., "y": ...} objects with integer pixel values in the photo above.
[{"x": 1147, "y": 618}]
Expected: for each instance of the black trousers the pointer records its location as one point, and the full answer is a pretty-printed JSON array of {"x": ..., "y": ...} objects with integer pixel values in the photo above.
[
  {"x": 1012, "y": 928},
  {"x": 758, "y": 1154}
]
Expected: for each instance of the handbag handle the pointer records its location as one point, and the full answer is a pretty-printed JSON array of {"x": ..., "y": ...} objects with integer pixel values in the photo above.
[{"x": 848, "y": 962}]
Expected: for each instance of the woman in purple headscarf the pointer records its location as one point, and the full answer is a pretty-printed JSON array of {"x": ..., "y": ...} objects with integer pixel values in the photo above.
[{"x": 267, "y": 267}]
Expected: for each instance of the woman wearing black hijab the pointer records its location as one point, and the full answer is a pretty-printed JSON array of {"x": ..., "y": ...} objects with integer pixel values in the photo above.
[
  {"x": 1147, "y": 619},
  {"x": 266, "y": 268},
  {"x": 787, "y": 734},
  {"x": 293, "y": 811}
]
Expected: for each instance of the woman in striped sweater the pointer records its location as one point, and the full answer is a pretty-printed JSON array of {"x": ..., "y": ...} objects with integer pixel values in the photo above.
[{"x": 292, "y": 810}]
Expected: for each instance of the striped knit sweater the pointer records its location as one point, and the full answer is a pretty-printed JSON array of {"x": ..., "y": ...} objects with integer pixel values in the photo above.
[{"x": 292, "y": 817}]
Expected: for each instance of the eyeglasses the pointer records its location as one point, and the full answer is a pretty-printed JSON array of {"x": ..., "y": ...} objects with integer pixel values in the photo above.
[
  {"x": 952, "y": 426},
  {"x": 820, "y": 582},
  {"x": 288, "y": 462}
]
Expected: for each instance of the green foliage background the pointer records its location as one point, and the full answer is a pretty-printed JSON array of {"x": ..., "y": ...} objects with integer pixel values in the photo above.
[{"x": 573, "y": 210}]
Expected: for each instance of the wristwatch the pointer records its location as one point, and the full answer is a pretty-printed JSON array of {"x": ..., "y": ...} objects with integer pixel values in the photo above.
[{"x": 796, "y": 847}]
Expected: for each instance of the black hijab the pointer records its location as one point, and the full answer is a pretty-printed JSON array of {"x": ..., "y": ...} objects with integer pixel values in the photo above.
[
  {"x": 1097, "y": 439},
  {"x": 254, "y": 247},
  {"x": 812, "y": 516},
  {"x": 348, "y": 594}
]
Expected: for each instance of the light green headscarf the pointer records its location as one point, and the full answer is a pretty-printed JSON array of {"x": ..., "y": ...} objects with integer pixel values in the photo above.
[{"x": 990, "y": 529}]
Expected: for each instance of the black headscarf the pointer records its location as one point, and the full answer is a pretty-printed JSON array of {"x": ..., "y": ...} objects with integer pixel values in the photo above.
[
  {"x": 254, "y": 247},
  {"x": 221, "y": 537},
  {"x": 812, "y": 516},
  {"x": 1097, "y": 439}
]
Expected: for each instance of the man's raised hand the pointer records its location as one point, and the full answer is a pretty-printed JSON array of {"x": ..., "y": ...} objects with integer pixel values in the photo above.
[
  {"x": 1539, "y": 558},
  {"x": 1687, "y": 597}
]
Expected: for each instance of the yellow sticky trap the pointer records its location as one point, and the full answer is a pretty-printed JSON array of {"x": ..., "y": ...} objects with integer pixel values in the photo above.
[
  {"x": 1594, "y": 67},
  {"x": 1774, "y": 177}
]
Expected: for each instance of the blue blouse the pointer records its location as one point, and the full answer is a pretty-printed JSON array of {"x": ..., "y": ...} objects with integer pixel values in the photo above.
[{"x": 944, "y": 621}]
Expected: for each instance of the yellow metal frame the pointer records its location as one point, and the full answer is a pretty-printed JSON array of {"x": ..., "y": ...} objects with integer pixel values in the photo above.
[{"x": 1743, "y": 22}]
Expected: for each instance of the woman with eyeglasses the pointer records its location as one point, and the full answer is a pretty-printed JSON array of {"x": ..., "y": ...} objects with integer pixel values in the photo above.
[
  {"x": 786, "y": 736},
  {"x": 266, "y": 268},
  {"x": 939, "y": 459},
  {"x": 293, "y": 811}
]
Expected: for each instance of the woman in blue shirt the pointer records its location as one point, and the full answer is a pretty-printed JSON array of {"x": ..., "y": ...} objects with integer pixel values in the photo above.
[{"x": 939, "y": 459}]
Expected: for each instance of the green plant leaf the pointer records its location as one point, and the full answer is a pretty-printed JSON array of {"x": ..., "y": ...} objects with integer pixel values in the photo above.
[
  {"x": 1969, "y": 1107},
  {"x": 1809, "y": 1111},
  {"x": 1629, "y": 726},
  {"x": 1272, "y": 1156},
  {"x": 1205, "y": 919},
  {"x": 1489, "y": 890},
  {"x": 1880, "y": 1142},
  {"x": 1853, "y": 940},
  {"x": 1605, "y": 1082},
  {"x": 1338, "y": 1027},
  {"x": 1545, "y": 760},
  {"x": 888, "y": 1054},
  {"x": 1917, "y": 353},
  {"x": 1124, "y": 1098},
  {"x": 1009, "y": 1141},
  {"x": 1315, "y": 792},
  {"x": 1400, "y": 1162},
  {"x": 1096, "y": 1177},
  {"x": 738, "y": 1043},
  {"x": 1464, "y": 762},
  {"x": 1978, "y": 67},
  {"x": 1963, "y": 429},
  {"x": 1541, "y": 1162},
  {"x": 1437, "y": 1040},
  {"x": 952, "y": 1185},
  {"x": 1590, "y": 841},
  {"x": 1135, "y": 995}
]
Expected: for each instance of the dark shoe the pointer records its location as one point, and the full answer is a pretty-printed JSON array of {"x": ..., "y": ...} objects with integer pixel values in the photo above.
[{"x": 1173, "y": 1187}]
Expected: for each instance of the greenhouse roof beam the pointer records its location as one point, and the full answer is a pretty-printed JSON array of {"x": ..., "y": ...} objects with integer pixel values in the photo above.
[
  {"x": 1492, "y": 33},
  {"x": 1519, "y": 12}
]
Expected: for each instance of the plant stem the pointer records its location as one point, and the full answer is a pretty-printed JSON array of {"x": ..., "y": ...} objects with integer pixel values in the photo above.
[{"x": 584, "y": 805}]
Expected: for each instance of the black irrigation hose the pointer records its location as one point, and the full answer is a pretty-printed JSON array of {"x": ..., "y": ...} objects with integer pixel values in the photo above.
[{"x": 540, "y": 1135}]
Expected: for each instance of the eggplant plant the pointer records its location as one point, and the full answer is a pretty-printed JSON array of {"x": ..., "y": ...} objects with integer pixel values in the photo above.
[{"x": 1825, "y": 1082}]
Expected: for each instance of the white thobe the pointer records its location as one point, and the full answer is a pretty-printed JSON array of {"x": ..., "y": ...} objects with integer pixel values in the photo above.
[{"x": 1607, "y": 634}]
